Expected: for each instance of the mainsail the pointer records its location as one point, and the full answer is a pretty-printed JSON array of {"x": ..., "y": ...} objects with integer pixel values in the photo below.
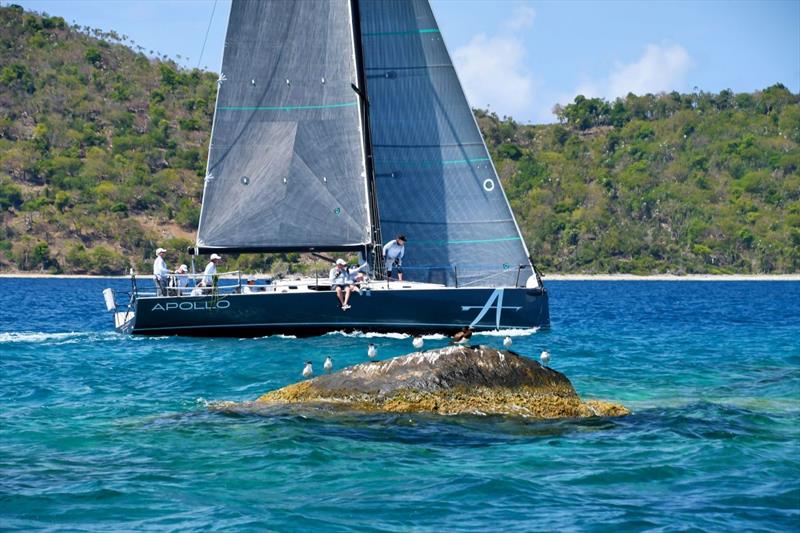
[
  {"x": 435, "y": 180},
  {"x": 286, "y": 168}
]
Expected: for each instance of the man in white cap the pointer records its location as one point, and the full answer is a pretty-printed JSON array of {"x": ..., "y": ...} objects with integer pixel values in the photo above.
[
  {"x": 160, "y": 272},
  {"x": 211, "y": 271},
  {"x": 340, "y": 282},
  {"x": 251, "y": 287},
  {"x": 182, "y": 279}
]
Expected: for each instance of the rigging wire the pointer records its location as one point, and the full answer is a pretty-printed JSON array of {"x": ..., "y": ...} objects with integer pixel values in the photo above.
[{"x": 210, "y": 20}]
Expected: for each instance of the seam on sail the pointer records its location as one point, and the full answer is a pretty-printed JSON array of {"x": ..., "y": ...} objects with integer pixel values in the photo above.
[
  {"x": 408, "y": 32},
  {"x": 419, "y": 67},
  {"x": 434, "y": 162},
  {"x": 469, "y": 241},
  {"x": 285, "y": 108},
  {"x": 438, "y": 145},
  {"x": 449, "y": 222}
]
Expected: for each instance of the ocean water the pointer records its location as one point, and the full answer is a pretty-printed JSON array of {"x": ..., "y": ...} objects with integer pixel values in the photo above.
[{"x": 106, "y": 432}]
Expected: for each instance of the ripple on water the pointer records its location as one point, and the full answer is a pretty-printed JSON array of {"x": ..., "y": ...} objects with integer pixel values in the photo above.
[{"x": 101, "y": 431}]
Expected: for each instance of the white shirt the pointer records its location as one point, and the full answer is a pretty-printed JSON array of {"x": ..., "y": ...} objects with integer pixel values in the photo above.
[
  {"x": 208, "y": 273},
  {"x": 393, "y": 251},
  {"x": 352, "y": 272},
  {"x": 339, "y": 276},
  {"x": 160, "y": 269}
]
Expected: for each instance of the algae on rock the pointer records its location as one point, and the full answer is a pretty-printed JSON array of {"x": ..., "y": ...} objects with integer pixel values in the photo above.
[{"x": 450, "y": 380}]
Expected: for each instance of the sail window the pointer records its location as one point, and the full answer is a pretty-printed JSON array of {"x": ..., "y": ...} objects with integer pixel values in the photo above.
[{"x": 488, "y": 185}]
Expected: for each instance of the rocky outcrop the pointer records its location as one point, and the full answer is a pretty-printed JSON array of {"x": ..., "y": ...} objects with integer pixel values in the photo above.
[{"x": 451, "y": 380}]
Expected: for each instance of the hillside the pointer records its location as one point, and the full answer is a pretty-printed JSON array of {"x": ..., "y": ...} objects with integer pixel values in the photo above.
[
  {"x": 696, "y": 183},
  {"x": 103, "y": 150}
]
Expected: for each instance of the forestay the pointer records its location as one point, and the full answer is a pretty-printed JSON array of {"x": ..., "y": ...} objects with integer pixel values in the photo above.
[
  {"x": 434, "y": 178},
  {"x": 286, "y": 164}
]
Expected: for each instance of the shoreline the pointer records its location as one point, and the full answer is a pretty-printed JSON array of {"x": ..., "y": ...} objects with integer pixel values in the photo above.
[{"x": 545, "y": 278}]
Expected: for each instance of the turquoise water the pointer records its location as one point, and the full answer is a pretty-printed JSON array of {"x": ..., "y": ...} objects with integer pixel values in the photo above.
[{"x": 100, "y": 431}]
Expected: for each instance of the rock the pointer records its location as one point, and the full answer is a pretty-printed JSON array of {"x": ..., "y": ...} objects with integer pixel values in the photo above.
[{"x": 451, "y": 380}]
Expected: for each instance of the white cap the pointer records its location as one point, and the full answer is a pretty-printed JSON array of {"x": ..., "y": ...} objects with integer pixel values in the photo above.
[
  {"x": 183, "y": 268},
  {"x": 341, "y": 261},
  {"x": 215, "y": 256},
  {"x": 158, "y": 251},
  {"x": 251, "y": 277}
]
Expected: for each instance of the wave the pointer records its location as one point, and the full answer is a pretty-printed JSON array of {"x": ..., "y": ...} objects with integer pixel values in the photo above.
[
  {"x": 370, "y": 335},
  {"x": 33, "y": 336},
  {"x": 516, "y": 332},
  {"x": 59, "y": 338}
]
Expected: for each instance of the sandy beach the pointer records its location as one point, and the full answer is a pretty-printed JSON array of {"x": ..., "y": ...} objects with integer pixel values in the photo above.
[{"x": 545, "y": 277}]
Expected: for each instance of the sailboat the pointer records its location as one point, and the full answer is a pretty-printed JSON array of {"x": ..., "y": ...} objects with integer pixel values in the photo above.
[{"x": 338, "y": 125}]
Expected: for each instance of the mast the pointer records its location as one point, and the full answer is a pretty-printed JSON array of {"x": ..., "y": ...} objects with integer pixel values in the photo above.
[{"x": 361, "y": 90}]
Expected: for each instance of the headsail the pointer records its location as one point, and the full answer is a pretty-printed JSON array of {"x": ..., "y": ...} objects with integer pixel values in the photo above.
[
  {"x": 286, "y": 162},
  {"x": 435, "y": 179}
]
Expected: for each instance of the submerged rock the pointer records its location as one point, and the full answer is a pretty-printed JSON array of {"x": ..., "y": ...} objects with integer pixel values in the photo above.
[{"x": 451, "y": 380}]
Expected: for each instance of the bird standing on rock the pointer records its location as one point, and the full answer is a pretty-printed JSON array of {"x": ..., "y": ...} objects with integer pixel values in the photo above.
[
  {"x": 328, "y": 366},
  {"x": 507, "y": 342},
  {"x": 308, "y": 371},
  {"x": 462, "y": 336},
  {"x": 545, "y": 358},
  {"x": 417, "y": 343},
  {"x": 372, "y": 351}
]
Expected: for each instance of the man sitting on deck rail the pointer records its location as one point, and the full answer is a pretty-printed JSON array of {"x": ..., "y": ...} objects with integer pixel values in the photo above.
[
  {"x": 160, "y": 272},
  {"x": 251, "y": 287},
  {"x": 356, "y": 276},
  {"x": 341, "y": 283}
]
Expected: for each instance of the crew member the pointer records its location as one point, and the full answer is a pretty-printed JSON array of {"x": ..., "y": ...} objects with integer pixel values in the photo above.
[{"x": 393, "y": 256}]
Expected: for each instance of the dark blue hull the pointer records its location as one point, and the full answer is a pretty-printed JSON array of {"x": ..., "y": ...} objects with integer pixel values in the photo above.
[{"x": 309, "y": 313}]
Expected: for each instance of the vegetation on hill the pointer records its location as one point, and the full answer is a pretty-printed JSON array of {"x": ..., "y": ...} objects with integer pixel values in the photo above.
[
  {"x": 103, "y": 151},
  {"x": 676, "y": 183}
]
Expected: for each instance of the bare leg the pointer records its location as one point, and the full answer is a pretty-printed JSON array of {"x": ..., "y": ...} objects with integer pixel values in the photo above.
[
  {"x": 400, "y": 276},
  {"x": 346, "y": 295},
  {"x": 339, "y": 295}
]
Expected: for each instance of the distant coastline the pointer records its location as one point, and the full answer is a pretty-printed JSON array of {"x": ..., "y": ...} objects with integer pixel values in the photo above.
[{"x": 546, "y": 277}]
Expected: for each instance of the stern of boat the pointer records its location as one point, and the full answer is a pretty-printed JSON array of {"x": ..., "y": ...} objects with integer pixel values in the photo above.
[{"x": 122, "y": 306}]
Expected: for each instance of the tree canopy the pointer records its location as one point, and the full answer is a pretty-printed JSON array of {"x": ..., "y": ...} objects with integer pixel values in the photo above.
[{"x": 103, "y": 150}]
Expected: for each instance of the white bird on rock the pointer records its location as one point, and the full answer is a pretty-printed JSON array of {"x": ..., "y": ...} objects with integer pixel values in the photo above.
[
  {"x": 308, "y": 371},
  {"x": 372, "y": 351},
  {"x": 328, "y": 366},
  {"x": 507, "y": 342},
  {"x": 545, "y": 357},
  {"x": 417, "y": 342}
]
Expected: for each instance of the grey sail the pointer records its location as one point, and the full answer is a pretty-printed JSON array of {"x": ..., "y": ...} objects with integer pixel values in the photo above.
[
  {"x": 286, "y": 164},
  {"x": 435, "y": 181}
]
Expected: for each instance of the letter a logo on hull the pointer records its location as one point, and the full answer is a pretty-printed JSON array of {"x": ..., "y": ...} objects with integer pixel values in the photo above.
[{"x": 497, "y": 295}]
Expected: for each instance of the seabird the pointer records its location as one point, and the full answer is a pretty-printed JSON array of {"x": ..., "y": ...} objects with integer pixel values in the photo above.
[
  {"x": 328, "y": 366},
  {"x": 417, "y": 342},
  {"x": 545, "y": 357},
  {"x": 507, "y": 342},
  {"x": 308, "y": 371},
  {"x": 462, "y": 336},
  {"x": 372, "y": 351}
]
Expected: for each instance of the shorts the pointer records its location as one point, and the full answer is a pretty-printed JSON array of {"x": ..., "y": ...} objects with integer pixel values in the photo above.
[{"x": 396, "y": 269}]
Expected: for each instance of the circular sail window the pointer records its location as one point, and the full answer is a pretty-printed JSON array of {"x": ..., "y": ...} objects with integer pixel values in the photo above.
[
  {"x": 488, "y": 185},
  {"x": 245, "y": 180}
]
